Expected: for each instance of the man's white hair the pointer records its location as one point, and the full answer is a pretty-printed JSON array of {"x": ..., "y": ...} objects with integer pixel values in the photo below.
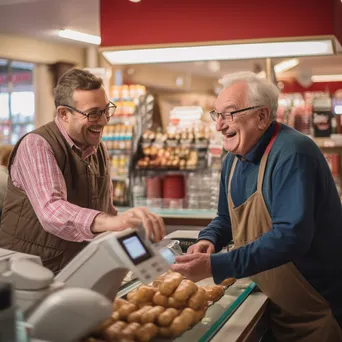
[{"x": 261, "y": 92}]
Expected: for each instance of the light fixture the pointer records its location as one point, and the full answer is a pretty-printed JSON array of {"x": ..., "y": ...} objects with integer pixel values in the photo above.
[
  {"x": 135, "y": 1},
  {"x": 220, "y": 52},
  {"x": 281, "y": 67},
  {"x": 327, "y": 78},
  {"x": 286, "y": 65},
  {"x": 80, "y": 36}
]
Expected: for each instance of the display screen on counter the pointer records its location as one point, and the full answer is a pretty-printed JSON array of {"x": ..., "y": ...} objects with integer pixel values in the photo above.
[{"x": 135, "y": 248}]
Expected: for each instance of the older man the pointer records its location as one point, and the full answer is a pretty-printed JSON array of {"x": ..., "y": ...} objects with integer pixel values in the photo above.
[
  {"x": 279, "y": 204},
  {"x": 59, "y": 194}
]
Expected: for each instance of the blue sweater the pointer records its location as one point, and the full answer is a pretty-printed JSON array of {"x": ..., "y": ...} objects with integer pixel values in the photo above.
[{"x": 306, "y": 213}]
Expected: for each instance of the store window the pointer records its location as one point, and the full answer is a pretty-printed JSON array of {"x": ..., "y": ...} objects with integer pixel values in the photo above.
[{"x": 17, "y": 100}]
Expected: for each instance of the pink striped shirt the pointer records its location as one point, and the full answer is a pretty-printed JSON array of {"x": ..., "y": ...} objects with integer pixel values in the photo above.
[{"x": 35, "y": 170}]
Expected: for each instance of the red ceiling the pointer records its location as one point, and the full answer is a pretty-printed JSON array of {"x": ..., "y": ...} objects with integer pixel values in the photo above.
[{"x": 182, "y": 21}]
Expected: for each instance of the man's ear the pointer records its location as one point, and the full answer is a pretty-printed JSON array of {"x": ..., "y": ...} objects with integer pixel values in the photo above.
[
  {"x": 62, "y": 113},
  {"x": 264, "y": 117}
]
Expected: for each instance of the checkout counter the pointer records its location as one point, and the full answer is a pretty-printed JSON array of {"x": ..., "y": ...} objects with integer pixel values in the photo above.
[{"x": 71, "y": 305}]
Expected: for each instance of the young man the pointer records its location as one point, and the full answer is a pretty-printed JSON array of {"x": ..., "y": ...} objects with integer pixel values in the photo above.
[
  {"x": 60, "y": 192},
  {"x": 279, "y": 204}
]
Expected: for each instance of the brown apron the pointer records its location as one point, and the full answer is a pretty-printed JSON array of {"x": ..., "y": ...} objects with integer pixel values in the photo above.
[{"x": 298, "y": 312}]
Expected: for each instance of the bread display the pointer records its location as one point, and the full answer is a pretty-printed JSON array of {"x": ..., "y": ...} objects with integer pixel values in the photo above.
[{"x": 167, "y": 308}]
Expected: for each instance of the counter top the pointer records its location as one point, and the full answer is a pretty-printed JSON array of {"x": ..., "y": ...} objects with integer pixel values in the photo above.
[{"x": 179, "y": 213}]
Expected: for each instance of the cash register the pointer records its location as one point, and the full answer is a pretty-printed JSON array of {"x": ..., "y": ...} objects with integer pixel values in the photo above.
[{"x": 70, "y": 305}]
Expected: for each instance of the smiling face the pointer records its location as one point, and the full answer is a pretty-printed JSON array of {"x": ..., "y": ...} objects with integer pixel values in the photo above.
[
  {"x": 247, "y": 127},
  {"x": 80, "y": 130}
]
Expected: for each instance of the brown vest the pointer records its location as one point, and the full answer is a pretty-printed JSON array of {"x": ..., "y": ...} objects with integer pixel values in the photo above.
[{"x": 87, "y": 185}]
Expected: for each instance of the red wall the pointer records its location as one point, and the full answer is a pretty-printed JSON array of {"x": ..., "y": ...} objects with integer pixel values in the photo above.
[
  {"x": 338, "y": 19},
  {"x": 177, "y": 21},
  {"x": 294, "y": 87}
]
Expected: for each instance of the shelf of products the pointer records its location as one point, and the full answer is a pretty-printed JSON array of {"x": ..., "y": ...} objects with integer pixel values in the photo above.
[
  {"x": 179, "y": 168},
  {"x": 185, "y": 150},
  {"x": 314, "y": 114}
]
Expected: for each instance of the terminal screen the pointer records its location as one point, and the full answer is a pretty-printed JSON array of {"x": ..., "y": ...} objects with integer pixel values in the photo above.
[{"x": 135, "y": 248}]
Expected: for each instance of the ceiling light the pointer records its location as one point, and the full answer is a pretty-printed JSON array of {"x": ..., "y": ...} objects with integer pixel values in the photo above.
[
  {"x": 286, "y": 65},
  {"x": 327, "y": 78},
  {"x": 82, "y": 37},
  {"x": 220, "y": 52},
  {"x": 135, "y": 1},
  {"x": 281, "y": 67}
]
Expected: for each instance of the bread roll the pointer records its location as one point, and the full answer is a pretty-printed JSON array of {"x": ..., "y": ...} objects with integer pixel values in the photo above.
[
  {"x": 214, "y": 293},
  {"x": 185, "y": 289},
  {"x": 115, "y": 316},
  {"x": 126, "y": 309},
  {"x": 151, "y": 315},
  {"x": 159, "y": 299},
  {"x": 174, "y": 303},
  {"x": 227, "y": 282},
  {"x": 166, "y": 317},
  {"x": 183, "y": 322},
  {"x": 146, "y": 332},
  {"x": 198, "y": 299},
  {"x": 145, "y": 304},
  {"x": 143, "y": 295},
  {"x": 112, "y": 333},
  {"x": 170, "y": 283},
  {"x": 118, "y": 302},
  {"x": 137, "y": 315},
  {"x": 129, "y": 332}
]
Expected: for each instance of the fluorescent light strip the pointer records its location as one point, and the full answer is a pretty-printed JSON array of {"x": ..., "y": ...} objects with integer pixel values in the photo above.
[
  {"x": 327, "y": 78},
  {"x": 281, "y": 67},
  {"x": 220, "y": 52},
  {"x": 286, "y": 65},
  {"x": 80, "y": 36}
]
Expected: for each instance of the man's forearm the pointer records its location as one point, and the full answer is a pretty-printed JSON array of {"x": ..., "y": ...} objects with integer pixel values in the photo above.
[{"x": 102, "y": 222}]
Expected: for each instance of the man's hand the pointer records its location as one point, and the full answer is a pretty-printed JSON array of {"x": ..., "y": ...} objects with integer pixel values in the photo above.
[
  {"x": 202, "y": 246},
  {"x": 133, "y": 218},
  {"x": 193, "y": 266}
]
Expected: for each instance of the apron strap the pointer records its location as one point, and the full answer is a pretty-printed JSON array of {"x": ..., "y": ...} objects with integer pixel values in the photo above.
[
  {"x": 231, "y": 173},
  {"x": 263, "y": 162}
]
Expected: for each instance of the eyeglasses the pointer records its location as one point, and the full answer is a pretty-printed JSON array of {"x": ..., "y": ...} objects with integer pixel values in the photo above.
[
  {"x": 95, "y": 115},
  {"x": 228, "y": 116}
]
